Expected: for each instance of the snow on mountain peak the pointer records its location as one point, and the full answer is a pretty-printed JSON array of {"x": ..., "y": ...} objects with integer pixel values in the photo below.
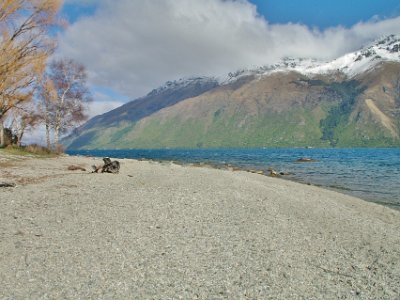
[
  {"x": 351, "y": 64},
  {"x": 387, "y": 49},
  {"x": 182, "y": 83}
]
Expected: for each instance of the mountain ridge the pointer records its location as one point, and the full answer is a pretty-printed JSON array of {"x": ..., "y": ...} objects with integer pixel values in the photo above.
[{"x": 350, "y": 101}]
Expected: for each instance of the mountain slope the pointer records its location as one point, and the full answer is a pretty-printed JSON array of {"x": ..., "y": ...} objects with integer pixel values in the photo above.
[
  {"x": 253, "y": 114},
  {"x": 351, "y": 101},
  {"x": 167, "y": 95}
]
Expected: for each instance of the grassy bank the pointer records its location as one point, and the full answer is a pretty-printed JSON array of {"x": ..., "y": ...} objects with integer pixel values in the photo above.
[{"x": 29, "y": 150}]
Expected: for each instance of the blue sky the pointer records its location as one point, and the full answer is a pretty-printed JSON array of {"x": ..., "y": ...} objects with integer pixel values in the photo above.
[
  {"x": 74, "y": 12},
  {"x": 326, "y": 13},
  {"x": 133, "y": 46},
  {"x": 313, "y": 13}
]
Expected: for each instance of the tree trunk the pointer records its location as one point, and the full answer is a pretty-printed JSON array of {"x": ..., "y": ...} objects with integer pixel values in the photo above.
[
  {"x": 20, "y": 135},
  {"x": 57, "y": 136},
  {"x": 48, "y": 135},
  {"x": 47, "y": 123}
]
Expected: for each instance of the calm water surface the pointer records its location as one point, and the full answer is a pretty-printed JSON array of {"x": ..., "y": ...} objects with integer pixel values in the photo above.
[{"x": 370, "y": 174}]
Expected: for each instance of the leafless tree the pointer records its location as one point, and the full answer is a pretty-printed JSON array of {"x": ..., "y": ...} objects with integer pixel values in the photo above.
[
  {"x": 21, "y": 119},
  {"x": 46, "y": 94},
  {"x": 68, "y": 96}
]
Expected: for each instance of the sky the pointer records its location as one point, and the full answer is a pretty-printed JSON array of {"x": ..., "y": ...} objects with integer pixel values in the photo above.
[
  {"x": 326, "y": 13},
  {"x": 130, "y": 47}
]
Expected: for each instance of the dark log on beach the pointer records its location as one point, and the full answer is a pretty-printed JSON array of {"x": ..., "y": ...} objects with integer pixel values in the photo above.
[
  {"x": 96, "y": 169},
  {"x": 6, "y": 184},
  {"x": 75, "y": 168},
  {"x": 108, "y": 167}
]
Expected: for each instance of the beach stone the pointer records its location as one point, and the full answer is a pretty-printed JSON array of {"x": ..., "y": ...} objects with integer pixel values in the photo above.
[
  {"x": 285, "y": 173},
  {"x": 273, "y": 173},
  {"x": 305, "y": 159}
]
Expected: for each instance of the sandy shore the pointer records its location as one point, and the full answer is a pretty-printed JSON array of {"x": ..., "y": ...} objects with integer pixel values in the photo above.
[{"x": 164, "y": 231}]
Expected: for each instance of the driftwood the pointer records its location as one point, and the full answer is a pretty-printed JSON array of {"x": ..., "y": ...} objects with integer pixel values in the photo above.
[
  {"x": 75, "y": 168},
  {"x": 108, "y": 167},
  {"x": 6, "y": 184}
]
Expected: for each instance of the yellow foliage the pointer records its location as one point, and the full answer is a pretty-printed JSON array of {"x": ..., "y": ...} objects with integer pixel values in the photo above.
[{"x": 24, "y": 47}]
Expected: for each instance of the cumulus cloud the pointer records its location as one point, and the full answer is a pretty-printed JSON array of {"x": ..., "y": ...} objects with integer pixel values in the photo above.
[
  {"x": 101, "y": 105},
  {"x": 133, "y": 46}
]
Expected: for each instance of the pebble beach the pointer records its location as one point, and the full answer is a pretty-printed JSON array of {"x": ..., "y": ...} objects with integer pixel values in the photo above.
[{"x": 167, "y": 231}]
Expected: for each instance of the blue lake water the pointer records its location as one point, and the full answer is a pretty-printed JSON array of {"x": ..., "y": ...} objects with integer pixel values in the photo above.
[{"x": 370, "y": 174}]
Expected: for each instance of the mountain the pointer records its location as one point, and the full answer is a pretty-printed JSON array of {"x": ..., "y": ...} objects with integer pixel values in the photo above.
[{"x": 353, "y": 100}]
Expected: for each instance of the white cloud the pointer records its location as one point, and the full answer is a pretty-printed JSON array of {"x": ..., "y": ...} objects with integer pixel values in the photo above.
[
  {"x": 100, "y": 107},
  {"x": 133, "y": 46}
]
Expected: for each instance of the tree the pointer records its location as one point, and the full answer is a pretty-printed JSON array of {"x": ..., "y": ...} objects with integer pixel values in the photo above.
[
  {"x": 67, "y": 83},
  {"x": 23, "y": 118},
  {"x": 47, "y": 94},
  {"x": 24, "y": 48}
]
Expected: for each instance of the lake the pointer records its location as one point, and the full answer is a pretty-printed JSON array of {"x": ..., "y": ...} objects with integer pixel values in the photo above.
[{"x": 370, "y": 174}]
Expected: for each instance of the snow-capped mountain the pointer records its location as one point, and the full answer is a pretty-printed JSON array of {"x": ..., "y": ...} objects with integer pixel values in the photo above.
[
  {"x": 293, "y": 103},
  {"x": 184, "y": 83},
  {"x": 351, "y": 64}
]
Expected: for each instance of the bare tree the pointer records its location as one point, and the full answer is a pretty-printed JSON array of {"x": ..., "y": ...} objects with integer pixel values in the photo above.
[
  {"x": 24, "y": 47},
  {"x": 47, "y": 95},
  {"x": 23, "y": 118},
  {"x": 67, "y": 110}
]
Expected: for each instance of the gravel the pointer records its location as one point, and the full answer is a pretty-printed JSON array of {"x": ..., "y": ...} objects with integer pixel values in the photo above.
[{"x": 165, "y": 231}]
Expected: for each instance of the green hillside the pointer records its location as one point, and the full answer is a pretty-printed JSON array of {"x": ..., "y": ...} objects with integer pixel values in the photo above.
[{"x": 281, "y": 110}]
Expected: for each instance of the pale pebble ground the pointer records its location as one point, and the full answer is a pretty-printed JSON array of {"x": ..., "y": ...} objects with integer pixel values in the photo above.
[{"x": 164, "y": 231}]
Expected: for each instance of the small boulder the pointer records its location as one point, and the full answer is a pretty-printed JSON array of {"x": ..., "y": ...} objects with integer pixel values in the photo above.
[
  {"x": 273, "y": 173},
  {"x": 305, "y": 159}
]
